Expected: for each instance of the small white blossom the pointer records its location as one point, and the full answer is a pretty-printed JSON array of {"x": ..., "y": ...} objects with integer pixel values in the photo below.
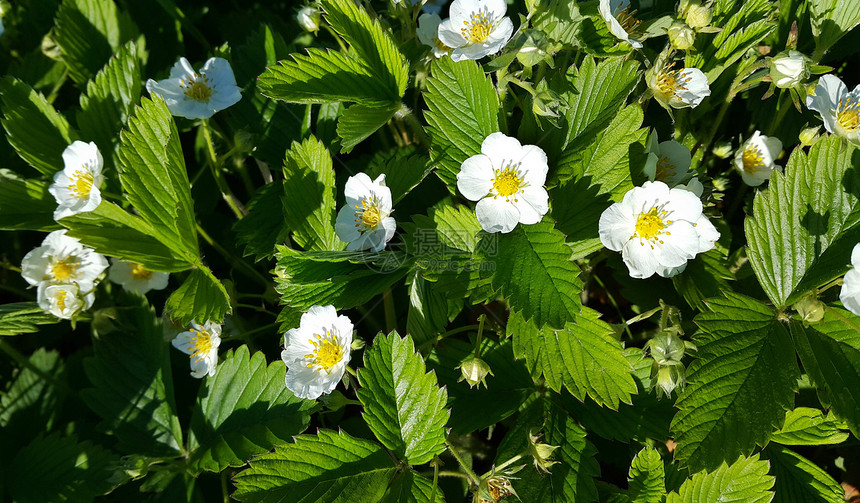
[
  {"x": 317, "y": 352},
  {"x": 754, "y": 160},
  {"x": 681, "y": 36},
  {"x": 197, "y": 95},
  {"x": 201, "y": 344},
  {"x": 428, "y": 34},
  {"x": 850, "y": 293},
  {"x": 76, "y": 187},
  {"x": 63, "y": 260},
  {"x": 682, "y": 88},
  {"x": 788, "y": 69},
  {"x": 506, "y": 179},
  {"x": 63, "y": 301},
  {"x": 839, "y": 109},
  {"x": 657, "y": 229},
  {"x": 309, "y": 19},
  {"x": 619, "y": 19},
  {"x": 135, "y": 278},
  {"x": 365, "y": 222},
  {"x": 476, "y": 28},
  {"x": 668, "y": 161}
]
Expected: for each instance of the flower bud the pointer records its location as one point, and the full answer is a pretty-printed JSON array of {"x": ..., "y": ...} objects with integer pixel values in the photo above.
[
  {"x": 546, "y": 102},
  {"x": 474, "y": 371},
  {"x": 810, "y": 308},
  {"x": 698, "y": 15},
  {"x": 334, "y": 400},
  {"x": 667, "y": 348},
  {"x": 723, "y": 149},
  {"x": 309, "y": 19},
  {"x": 541, "y": 452},
  {"x": 809, "y": 135},
  {"x": 681, "y": 36},
  {"x": 788, "y": 69},
  {"x": 669, "y": 378}
]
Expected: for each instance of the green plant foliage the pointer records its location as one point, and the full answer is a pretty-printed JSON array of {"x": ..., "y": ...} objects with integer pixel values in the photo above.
[
  {"x": 243, "y": 411},
  {"x": 805, "y": 426},
  {"x": 26, "y": 204},
  {"x": 745, "y": 480},
  {"x": 264, "y": 226},
  {"x": 326, "y": 467},
  {"x": 403, "y": 406},
  {"x": 409, "y": 487},
  {"x": 646, "y": 477},
  {"x": 740, "y": 385},
  {"x": 29, "y": 400},
  {"x": 23, "y": 318},
  {"x": 831, "y": 20},
  {"x": 403, "y": 170},
  {"x": 201, "y": 297},
  {"x": 360, "y": 121},
  {"x": 799, "y": 480}
]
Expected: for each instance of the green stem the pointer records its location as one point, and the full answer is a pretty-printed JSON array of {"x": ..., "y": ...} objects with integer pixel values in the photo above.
[
  {"x": 214, "y": 165},
  {"x": 481, "y": 320},
  {"x": 508, "y": 463},
  {"x": 225, "y": 494},
  {"x": 242, "y": 265},
  {"x": 449, "y": 473},
  {"x": 614, "y": 304},
  {"x": 448, "y": 334},
  {"x": 475, "y": 481},
  {"x": 388, "y": 304},
  {"x": 780, "y": 115},
  {"x": 336, "y": 37}
]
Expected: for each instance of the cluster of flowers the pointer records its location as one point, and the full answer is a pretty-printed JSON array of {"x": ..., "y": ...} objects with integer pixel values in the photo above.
[{"x": 474, "y": 29}]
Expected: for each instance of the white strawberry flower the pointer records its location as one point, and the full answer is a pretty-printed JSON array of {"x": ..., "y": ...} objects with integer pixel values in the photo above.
[
  {"x": 839, "y": 109},
  {"x": 682, "y": 88},
  {"x": 476, "y": 28},
  {"x": 63, "y": 260},
  {"x": 668, "y": 161},
  {"x": 754, "y": 160},
  {"x": 135, "y": 278},
  {"x": 309, "y": 19},
  {"x": 506, "y": 179},
  {"x": 200, "y": 343},
  {"x": 428, "y": 34},
  {"x": 788, "y": 69},
  {"x": 316, "y": 353},
  {"x": 849, "y": 295},
  {"x": 63, "y": 301},
  {"x": 619, "y": 19},
  {"x": 197, "y": 95},
  {"x": 365, "y": 222},
  {"x": 76, "y": 187},
  {"x": 657, "y": 229}
]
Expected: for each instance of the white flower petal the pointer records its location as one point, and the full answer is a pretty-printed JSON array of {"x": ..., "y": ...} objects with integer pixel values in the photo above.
[
  {"x": 708, "y": 234},
  {"x": 537, "y": 197},
  {"x": 534, "y": 164},
  {"x": 450, "y": 35},
  {"x": 849, "y": 295},
  {"x": 495, "y": 214},
  {"x": 428, "y": 25},
  {"x": 474, "y": 178},
  {"x": 641, "y": 263},
  {"x": 680, "y": 244},
  {"x": 616, "y": 226},
  {"x": 500, "y": 148}
]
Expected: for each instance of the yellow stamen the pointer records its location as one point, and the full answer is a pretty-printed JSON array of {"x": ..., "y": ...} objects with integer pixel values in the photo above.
[
  {"x": 202, "y": 344},
  {"x": 752, "y": 159},
  {"x": 848, "y": 119},
  {"x": 327, "y": 354},
  {"x": 63, "y": 270},
  {"x": 198, "y": 90},
  {"x": 507, "y": 181},
  {"x": 139, "y": 273},
  {"x": 627, "y": 19},
  {"x": 650, "y": 225},
  {"x": 478, "y": 29},
  {"x": 368, "y": 215},
  {"x": 82, "y": 183},
  {"x": 665, "y": 168},
  {"x": 61, "y": 300}
]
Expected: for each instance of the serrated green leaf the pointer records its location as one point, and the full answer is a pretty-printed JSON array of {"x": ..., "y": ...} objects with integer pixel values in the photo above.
[
  {"x": 445, "y": 230},
  {"x": 831, "y": 20},
  {"x": 155, "y": 180},
  {"x": 745, "y": 480},
  {"x": 325, "y": 468},
  {"x": 242, "y": 411},
  {"x": 428, "y": 311},
  {"x": 584, "y": 357},
  {"x": 533, "y": 269},
  {"x": 264, "y": 226},
  {"x": 404, "y": 169},
  {"x": 403, "y": 406},
  {"x": 133, "y": 384},
  {"x": 462, "y": 110},
  {"x": 705, "y": 276},
  {"x": 55, "y": 468},
  {"x": 111, "y": 231},
  {"x": 409, "y": 487},
  {"x": 26, "y": 205},
  {"x": 29, "y": 400},
  {"x": 830, "y": 353},
  {"x": 309, "y": 195},
  {"x": 34, "y": 129},
  {"x": 799, "y": 480},
  {"x": 805, "y": 426},
  {"x": 359, "y": 122},
  {"x": 645, "y": 479},
  {"x": 201, "y": 298},
  {"x": 22, "y": 318},
  {"x": 739, "y": 386}
]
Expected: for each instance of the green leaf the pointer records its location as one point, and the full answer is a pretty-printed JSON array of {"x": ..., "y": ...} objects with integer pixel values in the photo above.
[
  {"x": 201, "y": 298},
  {"x": 359, "y": 122},
  {"x": 325, "y": 468},
  {"x": 243, "y": 411},
  {"x": 109, "y": 99},
  {"x": 535, "y": 272},
  {"x": 133, "y": 385},
  {"x": 645, "y": 480},
  {"x": 799, "y": 480},
  {"x": 585, "y": 357},
  {"x": 745, "y": 480},
  {"x": 454, "y": 227},
  {"x": 739, "y": 387},
  {"x": 831, "y": 20},
  {"x": 371, "y": 42},
  {"x": 264, "y": 226},
  {"x": 705, "y": 276},
  {"x": 34, "y": 129},
  {"x": 309, "y": 195},
  {"x": 22, "y": 318},
  {"x": 403, "y": 405},
  {"x": 155, "y": 180},
  {"x": 428, "y": 311},
  {"x": 830, "y": 353},
  {"x": 409, "y": 487},
  {"x": 462, "y": 109},
  {"x": 29, "y": 401},
  {"x": 62, "y": 469},
  {"x": 111, "y": 231},
  {"x": 404, "y": 169},
  {"x": 805, "y": 426},
  {"x": 88, "y": 32},
  {"x": 26, "y": 205}
]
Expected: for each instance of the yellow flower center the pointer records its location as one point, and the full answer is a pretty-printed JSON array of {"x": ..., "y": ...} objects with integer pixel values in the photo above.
[
  {"x": 368, "y": 215},
  {"x": 197, "y": 88},
  {"x": 202, "y": 344},
  {"x": 63, "y": 270},
  {"x": 627, "y": 19},
  {"x": 665, "y": 168},
  {"x": 752, "y": 159},
  {"x": 439, "y": 45},
  {"x": 61, "y": 300},
  {"x": 327, "y": 352},
  {"x": 669, "y": 82},
  {"x": 82, "y": 183},
  {"x": 139, "y": 273},
  {"x": 847, "y": 114},
  {"x": 507, "y": 181},
  {"x": 650, "y": 225},
  {"x": 478, "y": 29}
]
